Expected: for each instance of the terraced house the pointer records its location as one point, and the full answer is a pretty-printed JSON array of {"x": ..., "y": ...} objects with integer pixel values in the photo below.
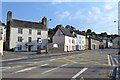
[
  {"x": 26, "y": 35},
  {"x": 80, "y": 39},
  {"x": 64, "y": 38}
]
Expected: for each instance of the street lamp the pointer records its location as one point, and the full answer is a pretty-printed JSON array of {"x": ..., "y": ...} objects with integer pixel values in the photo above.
[{"x": 118, "y": 37}]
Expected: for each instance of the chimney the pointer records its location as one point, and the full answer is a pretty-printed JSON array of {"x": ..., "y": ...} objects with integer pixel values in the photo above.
[
  {"x": 44, "y": 21},
  {"x": 9, "y": 16}
]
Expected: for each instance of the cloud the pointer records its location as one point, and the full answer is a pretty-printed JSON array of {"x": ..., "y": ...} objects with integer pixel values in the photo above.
[
  {"x": 108, "y": 7},
  {"x": 87, "y": 16},
  {"x": 98, "y": 18},
  {"x": 55, "y": 2},
  {"x": 63, "y": 15}
]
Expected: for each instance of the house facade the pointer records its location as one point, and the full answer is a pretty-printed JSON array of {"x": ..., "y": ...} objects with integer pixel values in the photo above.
[
  {"x": 2, "y": 37},
  {"x": 116, "y": 42},
  {"x": 64, "y": 39},
  {"x": 95, "y": 43},
  {"x": 80, "y": 40},
  {"x": 25, "y": 35}
]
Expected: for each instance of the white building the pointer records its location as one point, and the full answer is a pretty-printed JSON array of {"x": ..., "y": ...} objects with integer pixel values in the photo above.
[
  {"x": 2, "y": 32},
  {"x": 25, "y": 35},
  {"x": 64, "y": 39}
]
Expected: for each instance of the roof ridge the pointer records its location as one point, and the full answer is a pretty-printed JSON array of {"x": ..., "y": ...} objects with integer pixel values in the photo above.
[{"x": 26, "y": 21}]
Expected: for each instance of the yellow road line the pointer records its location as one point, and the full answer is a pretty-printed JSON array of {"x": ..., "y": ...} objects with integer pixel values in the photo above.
[{"x": 109, "y": 62}]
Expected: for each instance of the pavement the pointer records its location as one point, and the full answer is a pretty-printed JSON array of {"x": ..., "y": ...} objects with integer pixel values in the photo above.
[
  {"x": 8, "y": 55},
  {"x": 79, "y": 65}
]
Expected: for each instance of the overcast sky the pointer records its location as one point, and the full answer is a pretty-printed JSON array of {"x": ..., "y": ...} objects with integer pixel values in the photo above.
[{"x": 98, "y": 16}]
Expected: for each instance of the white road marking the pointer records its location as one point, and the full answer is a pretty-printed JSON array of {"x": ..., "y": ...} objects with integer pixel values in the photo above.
[
  {"x": 27, "y": 69},
  {"x": 116, "y": 60},
  {"x": 5, "y": 68},
  {"x": 54, "y": 69},
  {"x": 117, "y": 73},
  {"x": 52, "y": 59},
  {"x": 83, "y": 70},
  {"x": 113, "y": 63}
]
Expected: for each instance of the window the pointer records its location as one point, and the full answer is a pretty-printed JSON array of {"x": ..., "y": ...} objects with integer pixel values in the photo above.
[
  {"x": 39, "y": 32},
  {"x": 29, "y": 39},
  {"x": 82, "y": 42},
  {"x": 72, "y": 41},
  {"x": 73, "y": 47},
  {"x": 19, "y": 47},
  {"x": 69, "y": 40},
  {"x": 19, "y": 39},
  {"x": 38, "y": 47},
  {"x": 19, "y": 30},
  {"x": 39, "y": 40},
  {"x": 30, "y": 31}
]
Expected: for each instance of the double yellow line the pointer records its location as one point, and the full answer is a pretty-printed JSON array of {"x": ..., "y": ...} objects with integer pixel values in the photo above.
[{"x": 109, "y": 61}]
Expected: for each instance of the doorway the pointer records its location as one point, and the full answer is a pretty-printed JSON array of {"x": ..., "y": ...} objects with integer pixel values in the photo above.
[{"x": 29, "y": 48}]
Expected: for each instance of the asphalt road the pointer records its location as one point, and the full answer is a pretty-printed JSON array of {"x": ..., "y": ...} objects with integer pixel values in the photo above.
[{"x": 79, "y": 65}]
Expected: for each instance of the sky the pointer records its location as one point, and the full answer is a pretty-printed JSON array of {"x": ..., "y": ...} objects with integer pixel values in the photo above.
[{"x": 97, "y": 16}]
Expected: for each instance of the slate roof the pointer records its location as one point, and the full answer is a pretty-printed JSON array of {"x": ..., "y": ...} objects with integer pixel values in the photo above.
[
  {"x": 27, "y": 24},
  {"x": 65, "y": 31},
  {"x": 79, "y": 32},
  {"x": 95, "y": 38}
]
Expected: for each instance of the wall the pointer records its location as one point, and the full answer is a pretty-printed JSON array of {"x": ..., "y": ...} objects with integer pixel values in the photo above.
[
  {"x": 14, "y": 38},
  {"x": 1, "y": 39},
  {"x": 51, "y": 49},
  {"x": 95, "y": 44},
  {"x": 115, "y": 43},
  {"x": 69, "y": 45},
  {"x": 58, "y": 38},
  {"x": 1, "y": 47}
]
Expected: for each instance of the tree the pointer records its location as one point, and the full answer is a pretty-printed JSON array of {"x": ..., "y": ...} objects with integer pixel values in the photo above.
[
  {"x": 93, "y": 33},
  {"x": 89, "y": 31},
  {"x": 51, "y": 31},
  {"x": 70, "y": 27}
]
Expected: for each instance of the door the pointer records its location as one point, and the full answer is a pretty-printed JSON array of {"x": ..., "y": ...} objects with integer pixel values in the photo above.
[{"x": 29, "y": 48}]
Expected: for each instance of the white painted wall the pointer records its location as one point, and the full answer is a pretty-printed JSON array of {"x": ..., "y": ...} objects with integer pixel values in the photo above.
[
  {"x": 83, "y": 42},
  {"x": 1, "y": 39},
  {"x": 14, "y": 38},
  {"x": 69, "y": 44}
]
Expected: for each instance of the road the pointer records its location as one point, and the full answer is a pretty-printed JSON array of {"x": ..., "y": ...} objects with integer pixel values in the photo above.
[{"x": 83, "y": 65}]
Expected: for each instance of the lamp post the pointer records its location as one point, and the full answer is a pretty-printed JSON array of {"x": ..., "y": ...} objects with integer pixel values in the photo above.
[{"x": 118, "y": 37}]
